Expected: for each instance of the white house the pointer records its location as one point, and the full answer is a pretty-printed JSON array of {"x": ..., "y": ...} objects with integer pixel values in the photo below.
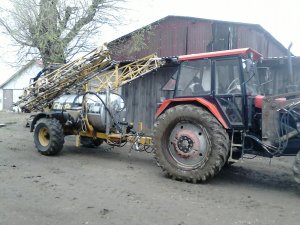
[{"x": 11, "y": 89}]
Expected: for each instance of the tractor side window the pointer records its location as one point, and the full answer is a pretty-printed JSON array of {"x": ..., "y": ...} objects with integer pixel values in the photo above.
[
  {"x": 227, "y": 77},
  {"x": 194, "y": 78},
  {"x": 171, "y": 84}
]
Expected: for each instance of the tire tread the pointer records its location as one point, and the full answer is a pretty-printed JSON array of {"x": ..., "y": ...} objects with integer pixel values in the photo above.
[{"x": 219, "y": 142}]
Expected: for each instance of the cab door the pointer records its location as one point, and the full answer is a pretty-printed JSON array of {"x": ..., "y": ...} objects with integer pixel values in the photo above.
[{"x": 228, "y": 91}]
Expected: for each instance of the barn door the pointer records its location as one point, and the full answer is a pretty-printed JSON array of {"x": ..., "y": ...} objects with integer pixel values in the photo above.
[
  {"x": 7, "y": 99},
  {"x": 223, "y": 37}
]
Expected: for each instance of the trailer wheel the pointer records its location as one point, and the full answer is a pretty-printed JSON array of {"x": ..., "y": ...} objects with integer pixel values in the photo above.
[
  {"x": 48, "y": 136},
  {"x": 296, "y": 168},
  {"x": 90, "y": 142},
  {"x": 191, "y": 145}
]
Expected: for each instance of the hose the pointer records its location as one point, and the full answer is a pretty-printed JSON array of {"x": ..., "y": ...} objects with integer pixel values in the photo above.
[{"x": 106, "y": 108}]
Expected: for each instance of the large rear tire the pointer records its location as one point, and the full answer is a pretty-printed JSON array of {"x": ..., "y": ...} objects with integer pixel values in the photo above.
[
  {"x": 48, "y": 136},
  {"x": 191, "y": 145}
]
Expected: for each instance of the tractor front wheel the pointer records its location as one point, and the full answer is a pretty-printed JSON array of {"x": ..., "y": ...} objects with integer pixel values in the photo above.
[
  {"x": 191, "y": 145},
  {"x": 48, "y": 136}
]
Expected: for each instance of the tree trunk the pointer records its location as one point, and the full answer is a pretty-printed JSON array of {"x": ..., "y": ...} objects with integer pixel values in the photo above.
[
  {"x": 53, "y": 52},
  {"x": 48, "y": 39}
]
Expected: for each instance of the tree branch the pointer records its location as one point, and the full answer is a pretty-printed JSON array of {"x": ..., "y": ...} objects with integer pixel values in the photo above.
[
  {"x": 12, "y": 34},
  {"x": 63, "y": 23}
]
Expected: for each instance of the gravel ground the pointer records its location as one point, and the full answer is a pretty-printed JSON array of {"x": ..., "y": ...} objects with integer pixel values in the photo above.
[{"x": 102, "y": 186}]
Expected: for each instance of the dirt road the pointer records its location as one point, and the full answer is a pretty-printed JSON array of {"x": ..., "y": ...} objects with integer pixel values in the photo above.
[{"x": 96, "y": 186}]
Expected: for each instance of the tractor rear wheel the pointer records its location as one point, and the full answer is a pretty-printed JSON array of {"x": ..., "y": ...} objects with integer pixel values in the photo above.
[
  {"x": 48, "y": 136},
  {"x": 296, "y": 168},
  {"x": 191, "y": 145}
]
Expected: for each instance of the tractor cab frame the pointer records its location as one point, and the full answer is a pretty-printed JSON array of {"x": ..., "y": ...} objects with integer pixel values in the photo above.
[
  {"x": 226, "y": 84},
  {"x": 225, "y": 80}
]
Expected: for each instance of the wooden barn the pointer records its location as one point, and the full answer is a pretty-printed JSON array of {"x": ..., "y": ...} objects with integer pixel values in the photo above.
[
  {"x": 176, "y": 35},
  {"x": 277, "y": 77}
]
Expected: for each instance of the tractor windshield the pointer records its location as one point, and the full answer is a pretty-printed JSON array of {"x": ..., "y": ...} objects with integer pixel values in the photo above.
[{"x": 194, "y": 78}]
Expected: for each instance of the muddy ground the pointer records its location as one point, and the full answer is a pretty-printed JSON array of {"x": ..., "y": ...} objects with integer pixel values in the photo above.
[{"x": 97, "y": 186}]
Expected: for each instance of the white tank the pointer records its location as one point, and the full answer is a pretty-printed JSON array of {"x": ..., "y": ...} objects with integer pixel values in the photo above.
[{"x": 96, "y": 110}]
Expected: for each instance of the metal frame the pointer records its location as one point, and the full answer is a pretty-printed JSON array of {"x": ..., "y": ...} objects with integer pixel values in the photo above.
[{"x": 80, "y": 75}]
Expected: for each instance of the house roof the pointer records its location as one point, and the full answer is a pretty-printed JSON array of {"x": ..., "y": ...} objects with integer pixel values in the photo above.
[
  {"x": 19, "y": 72},
  {"x": 253, "y": 26}
]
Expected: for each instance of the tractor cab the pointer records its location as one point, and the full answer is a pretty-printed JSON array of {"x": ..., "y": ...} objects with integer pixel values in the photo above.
[{"x": 227, "y": 79}]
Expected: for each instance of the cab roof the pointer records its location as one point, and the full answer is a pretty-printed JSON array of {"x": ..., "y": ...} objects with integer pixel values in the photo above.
[{"x": 233, "y": 52}]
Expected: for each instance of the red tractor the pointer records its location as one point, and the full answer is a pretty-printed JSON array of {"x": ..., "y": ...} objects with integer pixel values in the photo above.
[{"x": 217, "y": 116}]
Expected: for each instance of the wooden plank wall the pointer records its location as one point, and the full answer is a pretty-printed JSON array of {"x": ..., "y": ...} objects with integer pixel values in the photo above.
[
  {"x": 279, "y": 80},
  {"x": 143, "y": 95}
]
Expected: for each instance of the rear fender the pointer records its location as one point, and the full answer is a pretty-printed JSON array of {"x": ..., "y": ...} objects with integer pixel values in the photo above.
[
  {"x": 36, "y": 118},
  {"x": 57, "y": 115},
  {"x": 198, "y": 101}
]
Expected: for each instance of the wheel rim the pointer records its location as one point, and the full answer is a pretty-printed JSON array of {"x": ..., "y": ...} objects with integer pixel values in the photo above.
[
  {"x": 44, "y": 137},
  {"x": 189, "y": 145}
]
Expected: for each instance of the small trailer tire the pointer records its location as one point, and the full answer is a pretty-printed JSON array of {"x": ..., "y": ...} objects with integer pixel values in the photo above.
[{"x": 48, "y": 136}]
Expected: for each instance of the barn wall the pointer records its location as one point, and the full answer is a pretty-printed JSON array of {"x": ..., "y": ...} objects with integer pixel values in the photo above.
[
  {"x": 180, "y": 35},
  {"x": 199, "y": 37},
  {"x": 249, "y": 37},
  {"x": 143, "y": 95},
  {"x": 279, "y": 78}
]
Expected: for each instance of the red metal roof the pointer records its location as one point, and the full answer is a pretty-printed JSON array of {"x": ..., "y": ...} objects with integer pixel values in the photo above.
[{"x": 240, "y": 51}]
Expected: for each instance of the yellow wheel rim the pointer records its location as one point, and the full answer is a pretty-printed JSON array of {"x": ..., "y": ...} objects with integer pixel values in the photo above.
[{"x": 44, "y": 137}]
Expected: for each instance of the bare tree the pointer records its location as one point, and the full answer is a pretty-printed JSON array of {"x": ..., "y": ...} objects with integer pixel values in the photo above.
[{"x": 57, "y": 29}]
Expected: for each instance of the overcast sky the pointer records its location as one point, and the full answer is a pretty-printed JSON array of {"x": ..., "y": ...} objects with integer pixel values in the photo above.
[{"x": 280, "y": 18}]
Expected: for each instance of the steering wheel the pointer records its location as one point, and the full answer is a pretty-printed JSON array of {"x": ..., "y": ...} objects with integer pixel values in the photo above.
[{"x": 233, "y": 86}]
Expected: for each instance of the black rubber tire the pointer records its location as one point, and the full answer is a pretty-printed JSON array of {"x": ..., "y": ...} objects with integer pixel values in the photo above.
[
  {"x": 296, "y": 168},
  {"x": 97, "y": 142},
  {"x": 90, "y": 142},
  {"x": 217, "y": 135},
  {"x": 54, "y": 141}
]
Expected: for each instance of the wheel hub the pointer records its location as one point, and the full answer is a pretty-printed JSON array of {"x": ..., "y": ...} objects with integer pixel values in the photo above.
[
  {"x": 186, "y": 143},
  {"x": 44, "y": 137}
]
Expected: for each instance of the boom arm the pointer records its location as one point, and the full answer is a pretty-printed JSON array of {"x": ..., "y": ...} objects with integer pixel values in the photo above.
[{"x": 96, "y": 70}]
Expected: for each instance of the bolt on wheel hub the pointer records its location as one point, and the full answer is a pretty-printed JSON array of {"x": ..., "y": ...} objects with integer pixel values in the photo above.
[{"x": 186, "y": 143}]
